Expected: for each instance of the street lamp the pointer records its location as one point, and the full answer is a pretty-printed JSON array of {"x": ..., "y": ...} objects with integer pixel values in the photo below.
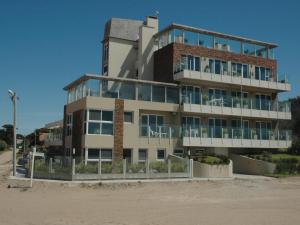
[{"x": 14, "y": 98}]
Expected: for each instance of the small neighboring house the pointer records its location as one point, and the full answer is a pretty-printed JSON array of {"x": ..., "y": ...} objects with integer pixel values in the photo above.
[{"x": 51, "y": 136}]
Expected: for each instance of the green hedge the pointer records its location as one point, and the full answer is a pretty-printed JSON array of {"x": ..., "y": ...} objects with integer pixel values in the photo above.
[{"x": 3, "y": 145}]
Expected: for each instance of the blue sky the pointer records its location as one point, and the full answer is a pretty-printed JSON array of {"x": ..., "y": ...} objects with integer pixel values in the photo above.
[{"x": 44, "y": 45}]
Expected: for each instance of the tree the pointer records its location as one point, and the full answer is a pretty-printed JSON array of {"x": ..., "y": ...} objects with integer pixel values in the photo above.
[{"x": 3, "y": 145}]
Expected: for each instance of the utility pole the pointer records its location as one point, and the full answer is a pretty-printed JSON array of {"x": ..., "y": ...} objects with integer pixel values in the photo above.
[{"x": 13, "y": 96}]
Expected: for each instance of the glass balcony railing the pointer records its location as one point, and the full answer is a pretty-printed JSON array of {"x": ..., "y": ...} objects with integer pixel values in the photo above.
[
  {"x": 244, "y": 47},
  {"x": 163, "y": 131},
  {"x": 179, "y": 67},
  {"x": 237, "y": 102},
  {"x": 170, "y": 131},
  {"x": 236, "y": 133},
  {"x": 124, "y": 90}
]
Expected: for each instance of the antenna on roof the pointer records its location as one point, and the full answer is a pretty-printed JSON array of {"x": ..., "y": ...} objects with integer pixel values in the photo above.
[{"x": 157, "y": 13}]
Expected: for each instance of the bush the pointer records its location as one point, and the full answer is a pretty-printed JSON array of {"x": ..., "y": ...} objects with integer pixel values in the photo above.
[
  {"x": 3, "y": 145},
  {"x": 40, "y": 166},
  {"x": 89, "y": 168},
  {"x": 160, "y": 167},
  {"x": 136, "y": 168},
  {"x": 178, "y": 167}
]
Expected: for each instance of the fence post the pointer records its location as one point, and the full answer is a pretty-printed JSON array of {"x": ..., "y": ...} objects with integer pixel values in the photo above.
[
  {"x": 169, "y": 168},
  {"x": 124, "y": 168},
  {"x": 73, "y": 166},
  {"x": 191, "y": 168},
  {"x": 99, "y": 165},
  {"x": 148, "y": 168},
  {"x": 50, "y": 165}
]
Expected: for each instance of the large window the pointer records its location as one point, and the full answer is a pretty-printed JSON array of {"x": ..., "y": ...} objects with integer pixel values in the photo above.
[
  {"x": 217, "y": 66},
  {"x": 190, "y": 62},
  {"x": 100, "y": 122},
  {"x": 263, "y": 102},
  {"x": 151, "y": 123},
  {"x": 94, "y": 153},
  {"x": 262, "y": 73},
  {"x": 191, "y": 94}
]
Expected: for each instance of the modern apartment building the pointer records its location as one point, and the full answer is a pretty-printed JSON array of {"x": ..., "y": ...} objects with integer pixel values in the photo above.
[{"x": 181, "y": 90}]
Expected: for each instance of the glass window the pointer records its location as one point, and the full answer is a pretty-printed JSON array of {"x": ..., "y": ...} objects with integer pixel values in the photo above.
[
  {"x": 107, "y": 116},
  {"x": 178, "y": 152},
  {"x": 94, "y": 128},
  {"x": 245, "y": 71},
  {"x": 144, "y": 92},
  {"x": 191, "y": 62},
  {"x": 93, "y": 153},
  {"x": 239, "y": 69},
  {"x": 95, "y": 115},
  {"x": 172, "y": 95},
  {"x": 161, "y": 154},
  {"x": 128, "y": 117},
  {"x": 106, "y": 154},
  {"x": 127, "y": 91},
  {"x": 217, "y": 67},
  {"x": 107, "y": 128},
  {"x": 142, "y": 155},
  {"x": 257, "y": 70},
  {"x": 158, "y": 93},
  {"x": 197, "y": 64}
]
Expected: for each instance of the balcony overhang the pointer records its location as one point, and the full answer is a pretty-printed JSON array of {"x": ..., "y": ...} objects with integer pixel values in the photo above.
[
  {"x": 196, "y": 77},
  {"x": 235, "y": 143}
]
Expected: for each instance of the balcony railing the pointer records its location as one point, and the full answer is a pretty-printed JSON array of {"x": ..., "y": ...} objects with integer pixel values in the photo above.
[
  {"x": 179, "y": 67},
  {"x": 237, "y": 102},
  {"x": 235, "y": 133},
  {"x": 169, "y": 131}
]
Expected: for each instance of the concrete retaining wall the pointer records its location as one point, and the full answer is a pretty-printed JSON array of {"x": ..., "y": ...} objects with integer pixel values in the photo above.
[
  {"x": 246, "y": 165},
  {"x": 216, "y": 171}
]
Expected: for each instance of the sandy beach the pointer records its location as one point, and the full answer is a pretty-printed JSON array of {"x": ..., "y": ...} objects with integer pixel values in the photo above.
[{"x": 232, "y": 202}]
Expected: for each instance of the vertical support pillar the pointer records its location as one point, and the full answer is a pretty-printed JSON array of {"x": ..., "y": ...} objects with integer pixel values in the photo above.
[{"x": 124, "y": 168}]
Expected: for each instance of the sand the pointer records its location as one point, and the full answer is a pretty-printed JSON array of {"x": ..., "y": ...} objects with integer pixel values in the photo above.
[{"x": 232, "y": 202}]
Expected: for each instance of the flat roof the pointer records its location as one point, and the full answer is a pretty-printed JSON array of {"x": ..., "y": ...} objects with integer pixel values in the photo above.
[
  {"x": 86, "y": 77},
  {"x": 217, "y": 34}
]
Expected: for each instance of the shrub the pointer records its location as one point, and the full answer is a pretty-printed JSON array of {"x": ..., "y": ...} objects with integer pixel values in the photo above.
[
  {"x": 178, "y": 167},
  {"x": 3, "y": 145},
  {"x": 89, "y": 168},
  {"x": 159, "y": 167},
  {"x": 136, "y": 168},
  {"x": 40, "y": 166}
]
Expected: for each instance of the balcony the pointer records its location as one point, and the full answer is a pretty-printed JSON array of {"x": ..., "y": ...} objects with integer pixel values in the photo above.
[
  {"x": 220, "y": 136},
  {"x": 236, "y": 137},
  {"x": 185, "y": 75},
  {"x": 234, "y": 106}
]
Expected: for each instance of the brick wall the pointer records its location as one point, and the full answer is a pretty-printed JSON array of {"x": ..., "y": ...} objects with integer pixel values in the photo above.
[
  {"x": 167, "y": 57},
  {"x": 118, "y": 130}
]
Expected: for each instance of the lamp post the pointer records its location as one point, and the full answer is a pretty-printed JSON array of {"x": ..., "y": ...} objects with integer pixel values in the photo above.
[{"x": 13, "y": 96}]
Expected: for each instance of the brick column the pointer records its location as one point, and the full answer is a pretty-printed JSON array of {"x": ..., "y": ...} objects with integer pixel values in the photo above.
[{"x": 118, "y": 130}]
